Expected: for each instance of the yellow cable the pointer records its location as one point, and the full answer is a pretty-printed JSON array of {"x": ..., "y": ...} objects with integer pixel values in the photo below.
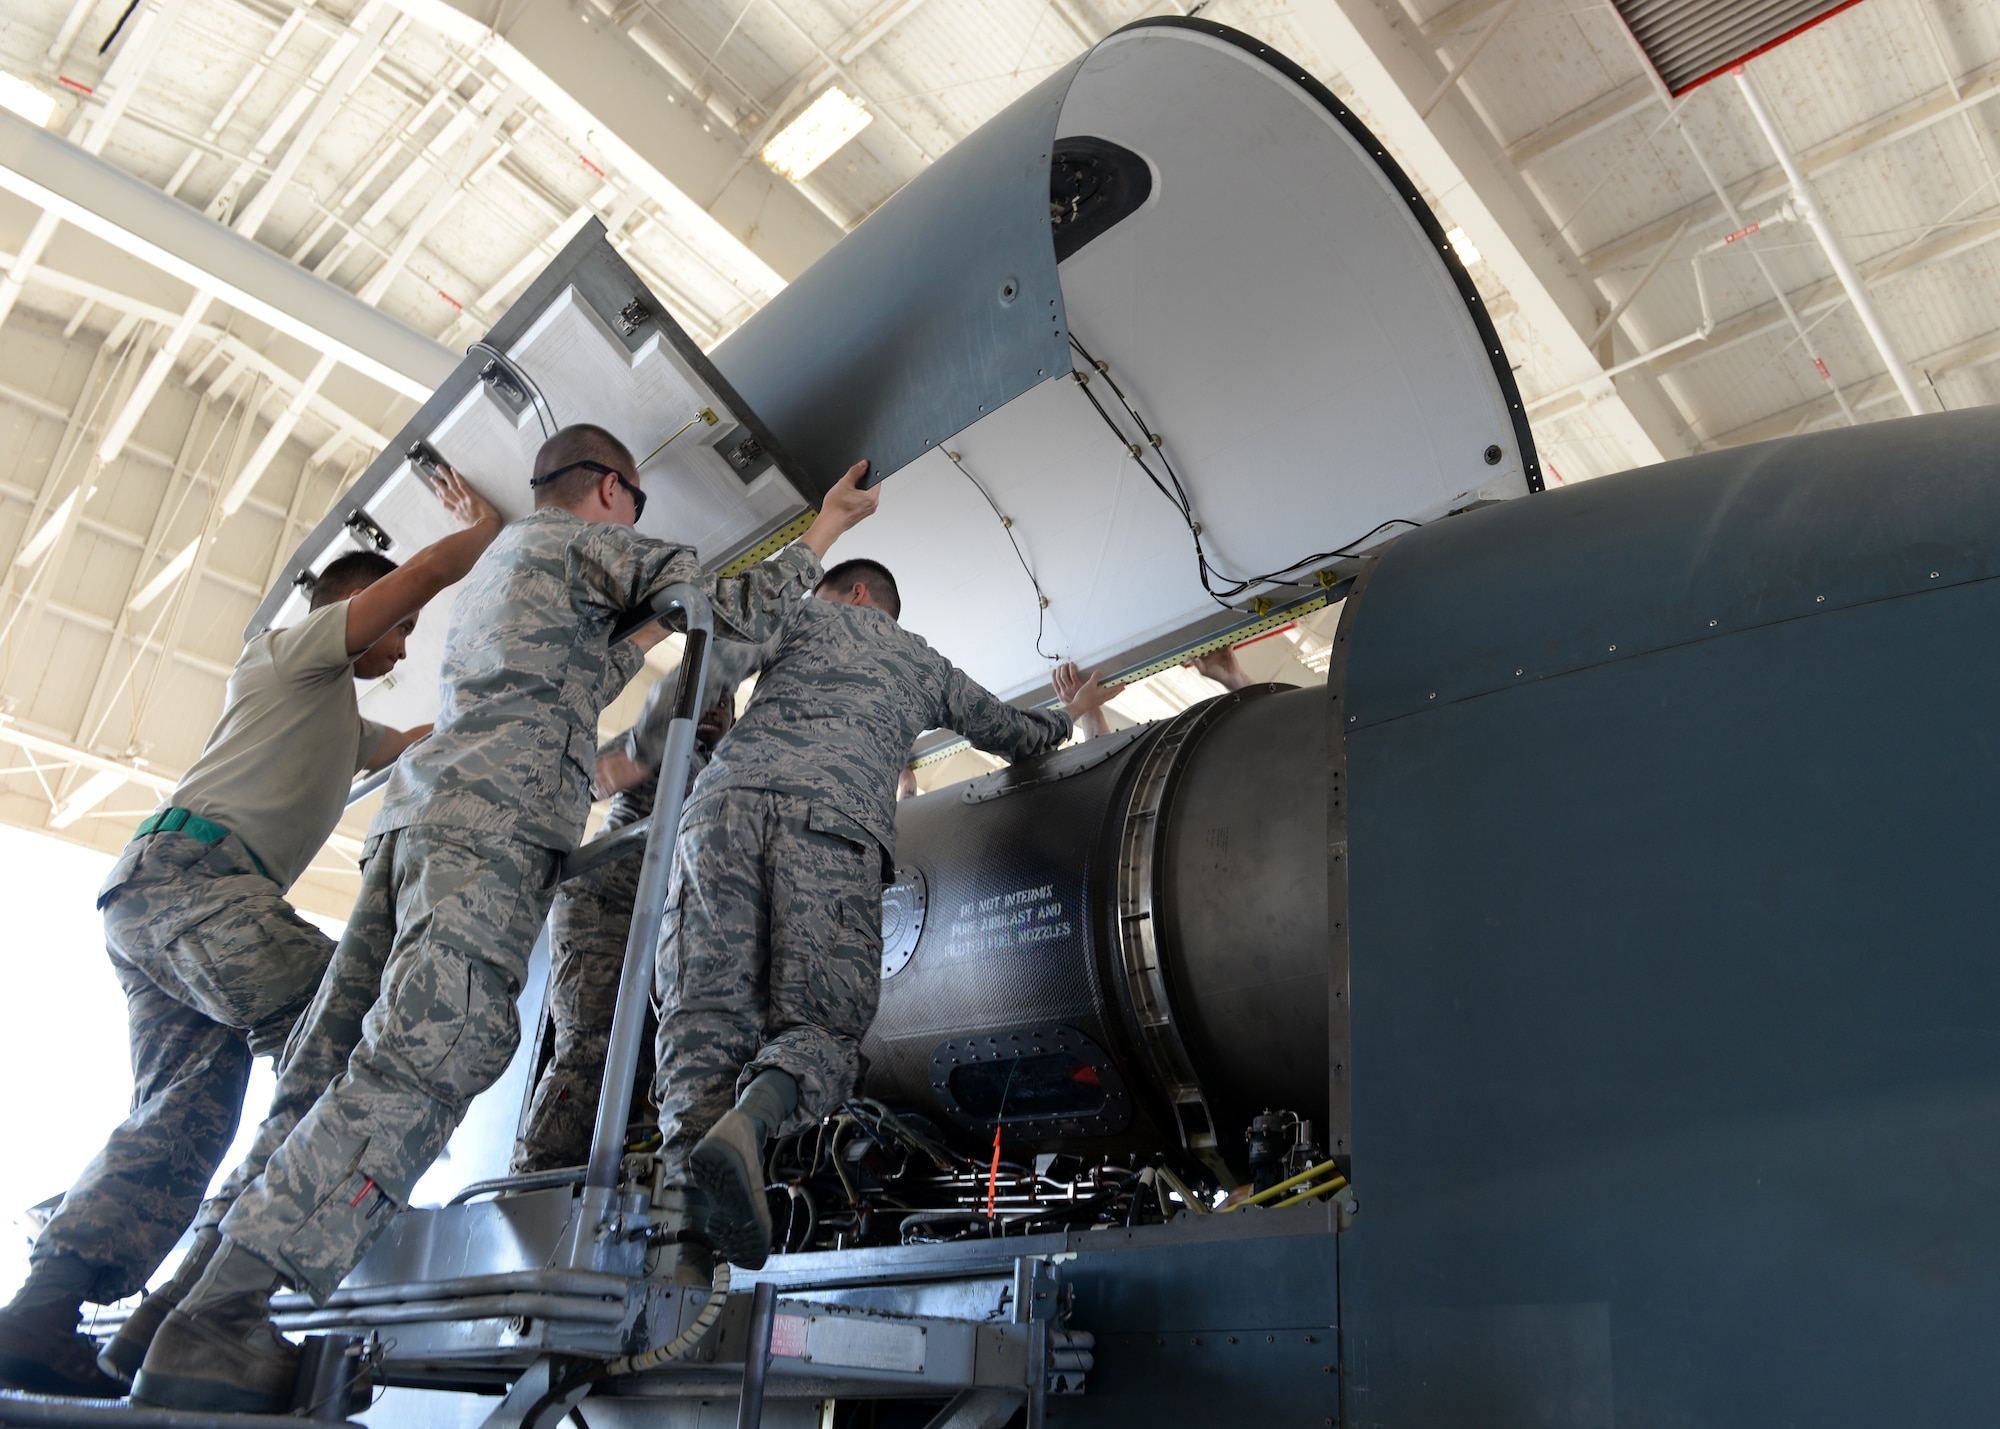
[
  {"x": 1283, "y": 1186},
  {"x": 704, "y": 415},
  {"x": 1310, "y": 1192}
]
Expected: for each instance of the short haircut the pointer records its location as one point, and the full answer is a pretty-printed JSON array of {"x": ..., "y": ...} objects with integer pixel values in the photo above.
[
  {"x": 871, "y": 574},
  {"x": 581, "y": 442},
  {"x": 349, "y": 575}
]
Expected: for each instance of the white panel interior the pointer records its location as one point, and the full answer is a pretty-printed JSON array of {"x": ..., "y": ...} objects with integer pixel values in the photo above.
[
  {"x": 587, "y": 375},
  {"x": 1274, "y": 311}
]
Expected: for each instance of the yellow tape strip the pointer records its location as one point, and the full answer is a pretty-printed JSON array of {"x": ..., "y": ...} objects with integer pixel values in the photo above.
[
  {"x": 770, "y": 545},
  {"x": 1275, "y": 621},
  {"x": 1230, "y": 637}
]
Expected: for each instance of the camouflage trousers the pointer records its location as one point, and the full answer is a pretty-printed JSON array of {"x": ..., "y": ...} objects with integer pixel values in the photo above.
[
  {"x": 587, "y": 933},
  {"x": 415, "y": 1018},
  {"x": 770, "y": 957},
  {"x": 215, "y": 966}
]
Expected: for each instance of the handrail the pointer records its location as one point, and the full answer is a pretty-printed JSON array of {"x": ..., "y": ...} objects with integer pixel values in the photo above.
[
  {"x": 605, "y": 847},
  {"x": 607, "y": 1145}
]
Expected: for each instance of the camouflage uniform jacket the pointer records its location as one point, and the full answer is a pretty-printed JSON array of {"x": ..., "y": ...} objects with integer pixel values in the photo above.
[
  {"x": 730, "y": 663},
  {"x": 844, "y": 694},
  {"x": 529, "y": 664}
]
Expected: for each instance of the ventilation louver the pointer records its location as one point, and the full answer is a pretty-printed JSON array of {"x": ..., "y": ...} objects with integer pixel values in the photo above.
[{"x": 1691, "y": 41}]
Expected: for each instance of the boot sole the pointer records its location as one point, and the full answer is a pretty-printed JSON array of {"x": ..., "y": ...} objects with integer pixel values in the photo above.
[
  {"x": 32, "y": 1377},
  {"x": 214, "y": 1396},
  {"x": 739, "y": 1221}
]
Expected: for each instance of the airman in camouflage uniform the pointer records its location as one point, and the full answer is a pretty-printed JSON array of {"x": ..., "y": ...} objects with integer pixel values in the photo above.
[
  {"x": 771, "y": 953},
  {"x": 214, "y": 962},
  {"x": 592, "y": 916},
  {"x": 462, "y": 864}
]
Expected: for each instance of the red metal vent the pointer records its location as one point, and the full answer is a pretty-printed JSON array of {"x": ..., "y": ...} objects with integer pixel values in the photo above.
[{"x": 1692, "y": 41}]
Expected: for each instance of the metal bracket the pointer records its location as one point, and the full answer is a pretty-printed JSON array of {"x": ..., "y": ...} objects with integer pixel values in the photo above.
[{"x": 544, "y": 1394}]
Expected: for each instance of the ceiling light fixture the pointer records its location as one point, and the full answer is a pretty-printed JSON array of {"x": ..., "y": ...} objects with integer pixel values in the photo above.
[
  {"x": 87, "y": 796},
  {"x": 1467, "y": 254},
  {"x": 817, "y": 134},
  {"x": 33, "y": 104},
  {"x": 169, "y": 573},
  {"x": 38, "y": 544}
]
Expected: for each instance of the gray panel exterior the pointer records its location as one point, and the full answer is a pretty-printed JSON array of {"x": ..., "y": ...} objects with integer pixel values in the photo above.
[
  {"x": 1676, "y": 1092},
  {"x": 905, "y": 333}
]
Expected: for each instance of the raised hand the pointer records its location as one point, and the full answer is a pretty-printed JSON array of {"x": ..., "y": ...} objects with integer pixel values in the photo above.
[
  {"x": 1084, "y": 698},
  {"x": 1220, "y": 666},
  {"x": 461, "y": 502},
  {"x": 846, "y": 505}
]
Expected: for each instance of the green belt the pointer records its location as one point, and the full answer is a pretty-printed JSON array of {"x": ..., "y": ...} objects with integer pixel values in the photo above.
[{"x": 180, "y": 821}]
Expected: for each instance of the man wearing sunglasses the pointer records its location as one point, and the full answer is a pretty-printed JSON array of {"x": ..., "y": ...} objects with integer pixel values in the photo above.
[{"x": 416, "y": 1014}]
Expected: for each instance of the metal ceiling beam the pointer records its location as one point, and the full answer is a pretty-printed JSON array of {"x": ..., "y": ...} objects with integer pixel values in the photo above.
[
  {"x": 131, "y": 214},
  {"x": 1457, "y": 158},
  {"x": 1877, "y": 391},
  {"x": 599, "y": 83},
  {"x": 95, "y": 121},
  {"x": 1634, "y": 96},
  {"x": 1770, "y": 185},
  {"x": 1823, "y": 296},
  {"x": 1807, "y": 199}
]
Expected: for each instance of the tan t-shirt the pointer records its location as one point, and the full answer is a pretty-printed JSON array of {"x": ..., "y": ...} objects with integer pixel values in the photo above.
[{"x": 278, "y": 764}]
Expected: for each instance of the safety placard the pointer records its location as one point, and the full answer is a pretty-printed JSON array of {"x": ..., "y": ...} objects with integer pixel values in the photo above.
[{"x": 861, "y": 1342}]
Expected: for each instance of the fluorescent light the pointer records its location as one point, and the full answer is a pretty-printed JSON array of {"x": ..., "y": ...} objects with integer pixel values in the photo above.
[
  {"x": 172, "y": 571},
  {"x": 812, "y": 138},
  {"x": 33, "y": 104},
  {"x": 1467, "y": 254},
  {"x": 86, "y": 796},
  {"x": 39, "y": 543}
]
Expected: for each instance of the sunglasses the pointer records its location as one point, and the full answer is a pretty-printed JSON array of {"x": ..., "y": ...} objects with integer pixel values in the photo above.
[{"x": 638, "y": 496}]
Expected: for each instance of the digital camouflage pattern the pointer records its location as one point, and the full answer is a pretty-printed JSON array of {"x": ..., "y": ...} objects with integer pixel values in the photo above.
[
  {"x": 589, "y": 926},
  {"x": 528, "y": 666},
  {"x": 587, "y": 931},
  {"x": 771, "y": 954},
  {"x": 216, "y": 967},
  {"x": 845, "y": 693},
  {"x": 330, "y": 1029},
  {"x": 443, "y": 1027},
  {"x": 470, "y": 834}
]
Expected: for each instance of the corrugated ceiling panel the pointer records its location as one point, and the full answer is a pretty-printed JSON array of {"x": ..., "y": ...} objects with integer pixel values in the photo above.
[{"x": 1689, "y": 41}]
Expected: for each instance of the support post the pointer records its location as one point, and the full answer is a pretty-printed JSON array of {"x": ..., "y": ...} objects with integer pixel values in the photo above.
[
  {"x": 757, "y": 1355},
  {"x": 1807, "y": 200},
  {"x": 614, "y": 1107}
]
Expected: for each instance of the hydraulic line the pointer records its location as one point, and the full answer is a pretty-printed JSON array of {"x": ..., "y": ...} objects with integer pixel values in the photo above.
[
  {"x": 1311, "y": 1193},
  {"x": 1262, "y": 1197},
  {"x": 681, "y": 1345}
]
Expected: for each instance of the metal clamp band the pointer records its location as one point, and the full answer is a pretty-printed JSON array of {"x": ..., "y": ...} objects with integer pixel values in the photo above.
[{"x": 1139, "y": 892}]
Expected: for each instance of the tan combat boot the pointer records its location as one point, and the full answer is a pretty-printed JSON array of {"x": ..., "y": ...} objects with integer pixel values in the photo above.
[{"x": 226, "y": 1358}]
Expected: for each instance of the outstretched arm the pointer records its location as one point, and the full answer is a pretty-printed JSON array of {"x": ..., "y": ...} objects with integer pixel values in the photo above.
[
  {"x": 375, "y": 611},
  {"x": 845, "y": 507},
  {"x": 1085, "y": 699},
  {"x": 997, "y": 727},
  {"x": 392, "y": 744}
]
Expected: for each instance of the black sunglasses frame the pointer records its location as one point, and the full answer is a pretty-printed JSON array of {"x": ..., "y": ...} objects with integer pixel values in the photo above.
[{"x": 638, "y": 496}]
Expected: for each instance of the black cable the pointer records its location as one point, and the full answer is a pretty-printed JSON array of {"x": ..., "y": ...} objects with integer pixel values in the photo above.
[
  {"x": 530, "y": 388},
  {"x": 117, "y": 27},
  {"x": 1210, "y": 573},
  {"x": 1007, "y": 525}
]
